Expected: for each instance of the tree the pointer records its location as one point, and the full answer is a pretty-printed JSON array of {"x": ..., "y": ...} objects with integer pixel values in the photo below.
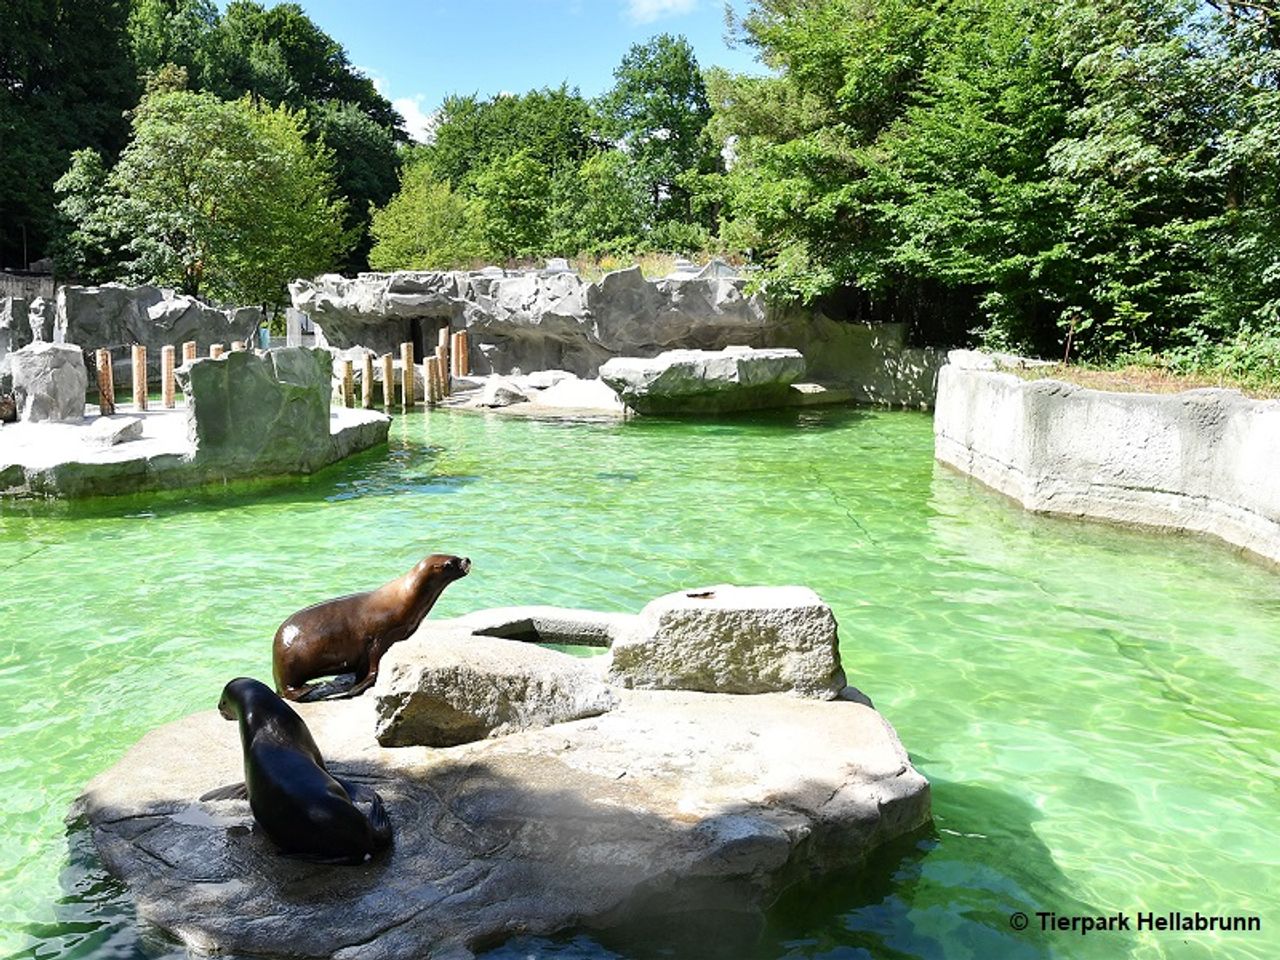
[
  {"x": 66, "y": 78},
  {"x": 599, "y": 207},
  {"x": 366, "y": 166},
  {"x": 1009, "y": 171},
  {"x": 87, "y": 247},
  {"x": 550, "y": 125},
  {"x": 281, "y": 56},
  {"x": 425, "y": 226},
  {"x": 225, "y": 199},
  {"x": 658, "y": 110},
  {"x": 177, "y": 32},
  {"x": 514, "y": 194}
]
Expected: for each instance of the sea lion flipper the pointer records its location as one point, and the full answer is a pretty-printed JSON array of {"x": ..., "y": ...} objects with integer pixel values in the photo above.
[
  {"x": 337, "y": 688},
  {"x": 232, "y": 791},
  {"x": 368, "y": 802}
]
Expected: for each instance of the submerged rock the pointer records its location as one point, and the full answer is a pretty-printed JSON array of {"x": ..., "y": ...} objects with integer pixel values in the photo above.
[
  {"x": 705, "y": 381},
  {"x": 458, "y": 688},
  {"x": 729, "y": 639},
  {"x": 670, "y": 803}
]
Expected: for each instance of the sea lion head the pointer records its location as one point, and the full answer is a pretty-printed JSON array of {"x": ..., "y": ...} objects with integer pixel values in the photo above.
[
  {"x": 239, "y": 695},
  {"x": 444, "y": 565}
]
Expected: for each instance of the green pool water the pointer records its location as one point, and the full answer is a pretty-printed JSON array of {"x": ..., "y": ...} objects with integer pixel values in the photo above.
[{"x": 1098, "y": 709}]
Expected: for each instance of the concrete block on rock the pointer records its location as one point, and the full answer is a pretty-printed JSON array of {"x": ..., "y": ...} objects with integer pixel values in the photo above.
[
  {"x": 729, "y": 639},
  {"x": 448, "y": 690}
]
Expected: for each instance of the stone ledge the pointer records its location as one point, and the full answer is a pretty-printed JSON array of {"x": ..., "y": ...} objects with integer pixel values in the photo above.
[{"x": 1202, "y": 461}]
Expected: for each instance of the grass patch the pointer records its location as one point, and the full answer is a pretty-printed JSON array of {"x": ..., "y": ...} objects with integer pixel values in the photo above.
[{"x": 1135, "y": 377}]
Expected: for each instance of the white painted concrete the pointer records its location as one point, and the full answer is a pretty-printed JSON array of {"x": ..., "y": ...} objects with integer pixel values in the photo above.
[{"x": 1206, "y": 461}]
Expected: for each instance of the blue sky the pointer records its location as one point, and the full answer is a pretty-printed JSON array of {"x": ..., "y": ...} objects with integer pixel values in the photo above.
[{"x": 417, "y": 51}]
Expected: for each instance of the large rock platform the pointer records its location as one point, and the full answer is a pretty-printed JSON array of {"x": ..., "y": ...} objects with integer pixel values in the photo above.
[
  {"x": 245, "y": 417},
  {"x": 560, "y": 800},
  {"x": 705, "y": 381},
  {"x": 670, "y": 803}
]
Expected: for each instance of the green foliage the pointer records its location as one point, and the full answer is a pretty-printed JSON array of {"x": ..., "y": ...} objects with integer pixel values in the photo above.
[
  {"x": 1011, "y": 169},
  {"x": 279, "y": 56},
  {"x": 176, "y": 32},
  {"x": 658, "y": 110},
  {"x": 514, "y": 196},
  {"x": 66, "y": 79},
  {"x": 366, "y": 167},
  {"x": 549, "y": 125},
  {"x": 600, "y": 207},
  {"x": 221, "y": 198},
  {"x": 86, "y": 247},
  {"x": 425, "y": 226}
]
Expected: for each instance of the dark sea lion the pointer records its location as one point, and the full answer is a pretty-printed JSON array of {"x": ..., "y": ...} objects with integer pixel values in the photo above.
[
  {"x": 351, "y": 634},
  {"x": 306, "y": 811}
]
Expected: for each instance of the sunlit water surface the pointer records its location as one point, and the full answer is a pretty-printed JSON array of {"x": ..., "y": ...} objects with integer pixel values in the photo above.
[{"x": 1096, "y": 708}]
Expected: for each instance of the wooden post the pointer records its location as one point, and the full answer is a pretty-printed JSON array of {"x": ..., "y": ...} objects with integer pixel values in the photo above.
[
  {"x": 106, "y": 384},
  {"x": 406, "y": 382},
  {"x": 463, "y": 357},
  {"x": 442, "y": 355},
  {"x": 189, "y": 351},
  {"x": 455, "y": 356},
  {"x": 167, "y": 355},
  {"x": 432, "y": 373},
  {"x": 388, "y": 379},
  {"x": 237, "y": 345},
  {"x": 215, "y": 350},
  {"x": 348, "y": 384},
  {"x": 139, "y": 376},
  {"x": 366, "y": 374},
  {"x": 442, "y": 371}
]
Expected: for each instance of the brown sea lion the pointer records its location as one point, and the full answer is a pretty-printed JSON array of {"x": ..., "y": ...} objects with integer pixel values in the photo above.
[
  {"x": 304, "y": 809},
  {"x": 351, "y": 634}
]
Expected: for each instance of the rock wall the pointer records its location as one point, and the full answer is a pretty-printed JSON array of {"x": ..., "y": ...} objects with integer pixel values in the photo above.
[
  {"x": 1202, "y": 460},
  {"x": 539, "y": 320},
  {"x": 114, "y": 315},
  {"x": 262, "y": 415}
]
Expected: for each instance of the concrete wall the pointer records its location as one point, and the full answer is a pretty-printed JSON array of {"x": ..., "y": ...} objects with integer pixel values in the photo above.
[{"x": 1206, "y": 461}]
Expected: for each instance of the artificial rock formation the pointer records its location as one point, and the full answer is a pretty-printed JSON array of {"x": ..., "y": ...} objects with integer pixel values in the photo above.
[
  {"x": 245, "y": 416},
  {"x": 49, "y": 382},
  {"x": 552, "y": 319},
  {"x": 532, "y": 321},
  {"x": 109, "y": 431},
  {"x": 115, "y": 315},
  {"x": 267, "y": 415},
  {"x": 705, "y": 381},
  {"x": 669, "y": 803},
  {"x": 457, "y": 688},
  {"x": 650, "y": 805}
]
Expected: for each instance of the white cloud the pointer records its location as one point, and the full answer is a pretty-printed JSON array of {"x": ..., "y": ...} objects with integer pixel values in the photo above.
[
  {"x": 379, "y": 82},
  {"x": 647, "y": 11},
  {"x": 420, "y": 125}
]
